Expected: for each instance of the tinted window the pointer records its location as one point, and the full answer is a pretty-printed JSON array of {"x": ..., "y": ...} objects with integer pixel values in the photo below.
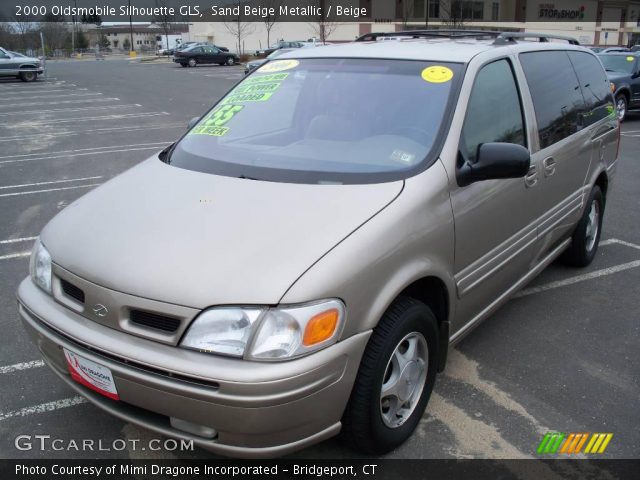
[
  {"x": 494, "y": 113},
  {"x": 557, "y": 99},
  {"x": 596, "y": 89},
  {"x": 316, "y": 120}
]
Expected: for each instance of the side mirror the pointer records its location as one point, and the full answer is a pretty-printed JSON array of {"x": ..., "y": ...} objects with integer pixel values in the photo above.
[
  {"x": 494, "y": 161},
  {"x": 193, "y": 122}
]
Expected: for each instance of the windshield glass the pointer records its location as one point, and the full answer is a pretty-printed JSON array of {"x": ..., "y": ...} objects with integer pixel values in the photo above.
[
  {"x": 323, "y": 120},
  {"x": 618, "y": 63}
]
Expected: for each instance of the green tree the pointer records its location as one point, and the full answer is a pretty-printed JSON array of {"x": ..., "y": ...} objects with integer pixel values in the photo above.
[
  {"x": 81, "y": 41},
  {"x": 104, "y": 41},
  {"x": 126, "y": 44}
]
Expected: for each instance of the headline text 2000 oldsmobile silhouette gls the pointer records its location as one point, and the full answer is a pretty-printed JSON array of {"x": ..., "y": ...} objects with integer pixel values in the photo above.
[{"x": 300, "y": 261}]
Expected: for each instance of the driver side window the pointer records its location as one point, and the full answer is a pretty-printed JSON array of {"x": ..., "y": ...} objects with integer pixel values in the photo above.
[{"x": 494, "y": 112}]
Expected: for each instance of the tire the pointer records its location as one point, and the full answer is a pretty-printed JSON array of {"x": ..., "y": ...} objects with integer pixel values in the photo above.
[
  {"x": 230, "y": 62},
  {"x": 192, "y": 62},
  {"x": 369, "y": 424},
  {"x": 622, "y": 107},
  {"x": 28, "y": 76},
  {"x": 586, "y": 237}
]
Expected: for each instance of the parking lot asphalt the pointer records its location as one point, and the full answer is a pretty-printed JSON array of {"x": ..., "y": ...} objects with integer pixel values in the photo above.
[{"x": 561, "y": 356}]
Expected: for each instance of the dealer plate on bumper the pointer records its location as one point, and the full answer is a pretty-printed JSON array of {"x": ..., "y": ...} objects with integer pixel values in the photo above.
[{"x": 91, "y": 374}]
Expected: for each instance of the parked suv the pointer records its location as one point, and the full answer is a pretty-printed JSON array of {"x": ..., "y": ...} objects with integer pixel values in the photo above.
[
  {"x": 623, "y": 70},
  {"x": 13, "y": 64},
  {"x": 300, "y": 261}
]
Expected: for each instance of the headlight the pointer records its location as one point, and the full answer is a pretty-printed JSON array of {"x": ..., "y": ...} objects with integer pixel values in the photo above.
[
  {"x": 613, "y": 87},
  {"x": 266, "y": 333},
  {"x": 40, "y": 266}
]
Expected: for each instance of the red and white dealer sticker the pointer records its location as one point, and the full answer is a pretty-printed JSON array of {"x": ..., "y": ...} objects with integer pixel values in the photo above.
[{"x": 91, "y": 374}]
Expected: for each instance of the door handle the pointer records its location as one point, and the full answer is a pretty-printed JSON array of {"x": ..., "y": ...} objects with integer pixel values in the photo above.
[
  {"x": 549, "y": 165},
  {"x": 531, "y": 178}
]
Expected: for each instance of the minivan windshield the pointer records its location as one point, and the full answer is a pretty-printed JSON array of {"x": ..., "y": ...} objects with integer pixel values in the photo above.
[
  {"x": 323, "y": 120},
  {"x": 618, "y": 63}
]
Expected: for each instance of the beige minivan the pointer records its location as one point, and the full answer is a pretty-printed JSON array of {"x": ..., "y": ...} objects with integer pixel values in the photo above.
[{"x": 299, "y": 262}]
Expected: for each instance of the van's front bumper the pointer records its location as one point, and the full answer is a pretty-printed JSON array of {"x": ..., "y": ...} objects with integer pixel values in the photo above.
[{"x": 257, "y": 409}]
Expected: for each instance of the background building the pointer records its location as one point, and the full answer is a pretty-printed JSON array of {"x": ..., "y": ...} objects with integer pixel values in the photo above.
[
  {"x": 592, "y": 22},
  {"x": 146, "y": 37}
]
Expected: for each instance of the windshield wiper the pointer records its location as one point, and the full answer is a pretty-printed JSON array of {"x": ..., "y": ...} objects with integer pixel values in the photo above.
[{"x": 244, "y": 177}]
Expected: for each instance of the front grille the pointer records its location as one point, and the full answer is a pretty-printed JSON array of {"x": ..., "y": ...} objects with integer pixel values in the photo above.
[
  {"x": 154, "y": 320},
  {"x": 72, "y": 291}
]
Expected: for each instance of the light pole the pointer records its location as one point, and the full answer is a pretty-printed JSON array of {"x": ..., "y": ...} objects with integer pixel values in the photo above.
[{"x": 131, "y": 31}]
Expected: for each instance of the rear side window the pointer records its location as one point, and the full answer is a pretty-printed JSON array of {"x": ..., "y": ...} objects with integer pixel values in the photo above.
[
  {"x": 494, "y": 113},
  {"x": 595, "y": 87},
  {"x": 555, "y": 90}
]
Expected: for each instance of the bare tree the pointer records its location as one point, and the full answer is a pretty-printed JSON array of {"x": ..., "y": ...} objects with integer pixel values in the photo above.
[
  {"x": 406, "y": 12},
  {"x": 55, "y": 31},
  {"x": 163, "y": 20},
  {"x": 23, "y": 25},
  {"x": 238, "y": 28},
  {"x": 323, "y": 27},
  {"x": 270, "y": 20},
  {"x": 452, "y": 12}
]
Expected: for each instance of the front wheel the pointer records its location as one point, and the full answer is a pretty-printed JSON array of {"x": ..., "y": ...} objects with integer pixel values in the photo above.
[
  {"x": 395, "y": 379},
  {"x": 192, "y": 62},
  {"x": 586, "y": 237},
  {"x": 621, "y": 107},
  {"x": 28, "y": 76}
]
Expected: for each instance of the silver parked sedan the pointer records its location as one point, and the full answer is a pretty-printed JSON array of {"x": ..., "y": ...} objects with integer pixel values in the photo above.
[{"x": 299, "y": 262}]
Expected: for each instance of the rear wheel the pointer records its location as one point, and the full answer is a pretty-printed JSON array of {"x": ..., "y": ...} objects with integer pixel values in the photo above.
[
  {"x": 395, "y": 379},
  {"x": 28, "y": 76},
  {"x": 230, "y": 61},
  {"x": 192, "y": 62},
  {"x": 586, "y": 237},
  {"x": 621, "y": 107}
]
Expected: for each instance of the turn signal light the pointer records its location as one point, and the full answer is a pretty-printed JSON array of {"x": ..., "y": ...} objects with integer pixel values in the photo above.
[{"x": 321, "y": 327}]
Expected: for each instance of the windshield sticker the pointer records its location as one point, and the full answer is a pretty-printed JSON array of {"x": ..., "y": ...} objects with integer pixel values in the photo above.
[
  {"x": 213, "y": 131},
  {"x": 248, "y": 97},
  {"x": 279, "y": 66},
  {"x": 274, "y": 77},
  {"x": 630, "y": 59},
  {"x": 402, "y": 156},
  {"x": 437, "y": 74},
  {"x": 257, "y": 87},
  {"x": 213, "y": 123}
]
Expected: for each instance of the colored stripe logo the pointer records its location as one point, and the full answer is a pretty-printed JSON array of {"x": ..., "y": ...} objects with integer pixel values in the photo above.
[{"x": 572, "y": 443}]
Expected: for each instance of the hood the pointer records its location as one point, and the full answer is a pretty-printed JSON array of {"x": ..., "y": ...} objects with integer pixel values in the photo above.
[
  {"x": 197, "y": 239},
  {"x": 617, "y": 76}
]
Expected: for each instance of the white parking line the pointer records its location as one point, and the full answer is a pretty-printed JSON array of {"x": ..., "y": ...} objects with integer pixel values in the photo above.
[
  {"x": 57, "y": 96},
  {"x": 82, "y": 132},
  {"x": 17, "y": 240},
  {"x": 612, "y": 241},
  {"x": 21, "y": 366},
  {"x": 64, "y": 110},
  {"x": 577, "y": 279},
  {"x": 15, "y": 255},
  {"x": 52, "y": 90},
  {"x": 51, "y": 182},
  {"x": 51, "y": 155},
  {"x": 103, "y": 117},
  {"x": 142, "y": 146},
  {"x": 43, "y": 407},
  {"x": 31, "y": 192},
  {"x": 62, "y": 102}
]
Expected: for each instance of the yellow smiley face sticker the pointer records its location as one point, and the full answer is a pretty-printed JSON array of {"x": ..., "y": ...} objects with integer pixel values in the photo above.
[
  {"x": 279, "y": 66},
  {"x": 630, "y": 59},
  {"x": 437, "y": 74}
]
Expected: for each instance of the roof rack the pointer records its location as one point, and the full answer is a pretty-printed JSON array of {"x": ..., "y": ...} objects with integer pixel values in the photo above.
[
  {"x": 501, "y": 38},
  {"x": 512, "y": 37},
  {"x": 445, "y": 33}
]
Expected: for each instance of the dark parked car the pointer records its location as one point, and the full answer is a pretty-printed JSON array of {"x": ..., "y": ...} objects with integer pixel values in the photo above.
[
  {"x": 197, "y": 55},
  {"x": 623, "y": 70},
  {"x": 14, "y": 64},
  {"x": 277, "y": 46},
  {"x": 252, "y": 65}
]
